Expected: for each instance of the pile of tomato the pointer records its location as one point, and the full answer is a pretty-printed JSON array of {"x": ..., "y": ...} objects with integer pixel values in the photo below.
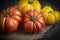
[{"x": 29, "y": 16}]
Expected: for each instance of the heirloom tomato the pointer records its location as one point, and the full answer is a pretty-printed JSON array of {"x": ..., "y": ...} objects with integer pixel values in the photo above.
[
  {"x": 51, "y": 16},
  {"x": 9, "y": 20},
  {"x": 33, "y": 22},
  {"x": 25, "y": 5}
]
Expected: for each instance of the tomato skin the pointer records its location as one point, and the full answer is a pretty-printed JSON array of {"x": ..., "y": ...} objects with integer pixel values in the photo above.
[
  {"x": 2, "y": 23},
  {"x": 11, "y": 24},
  {"x": 10, "y": 19},
  {"x": 33, "y": 22},
  {"x": 13, "y": 11},
  {"x": 28, "y": 27}
]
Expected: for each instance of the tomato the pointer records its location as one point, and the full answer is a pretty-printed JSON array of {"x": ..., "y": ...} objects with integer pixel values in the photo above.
[
  {"x": 25, "y": 5},
  {"x": 59, "y": 15},
  {"x": 33, "y": 21},
  {"x": 51, "y": 16},
  {"x": 9, "y": 20}
]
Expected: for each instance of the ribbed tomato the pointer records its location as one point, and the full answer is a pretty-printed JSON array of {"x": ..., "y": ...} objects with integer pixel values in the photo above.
[
  {"x": 9, "y": 19},
  {"x": 33, "y": 21},
  {"x": 51, "y": 16},
  {"x": 25, "y": 5}
]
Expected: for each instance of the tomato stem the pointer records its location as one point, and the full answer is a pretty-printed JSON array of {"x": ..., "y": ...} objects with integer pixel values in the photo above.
[
  {"x": 6, "y": 15},
  {"x": 50, "y": 11},
  {"x": 32, "y": 19},
  {"x": 30, "y": 2}
]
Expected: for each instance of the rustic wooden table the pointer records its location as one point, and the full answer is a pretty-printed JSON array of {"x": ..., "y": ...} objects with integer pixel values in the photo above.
[{"x": 20, "y": 35}]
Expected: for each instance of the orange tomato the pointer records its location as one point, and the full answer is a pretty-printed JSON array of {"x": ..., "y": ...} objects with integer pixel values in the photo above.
[{"x": 9, "y": 20}]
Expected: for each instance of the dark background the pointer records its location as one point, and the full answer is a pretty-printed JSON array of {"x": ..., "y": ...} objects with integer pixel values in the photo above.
[
  {"x": 54, "y": 3},
  {"x": 6, "y": 3}
]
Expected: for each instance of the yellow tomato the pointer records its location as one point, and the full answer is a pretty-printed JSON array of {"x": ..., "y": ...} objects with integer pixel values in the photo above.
[
  {"x": 50, "y": 15},
  {"x": 25, "y": 5},
  {"x": 59, "y": 15}
]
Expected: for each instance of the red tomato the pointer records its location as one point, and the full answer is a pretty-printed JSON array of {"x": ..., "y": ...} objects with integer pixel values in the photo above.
[{"x": 33, "y": 21}]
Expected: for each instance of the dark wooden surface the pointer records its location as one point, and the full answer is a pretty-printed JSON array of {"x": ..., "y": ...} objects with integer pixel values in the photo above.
[{"x": 20, "y": 35}]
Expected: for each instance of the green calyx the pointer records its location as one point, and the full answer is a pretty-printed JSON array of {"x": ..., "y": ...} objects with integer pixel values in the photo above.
[
  {"x": 6, "y": 15},
  {"x": 30, "y": 2},
  {"x": 33, "y": 19},
  {"x": 50, "y": 11}
]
